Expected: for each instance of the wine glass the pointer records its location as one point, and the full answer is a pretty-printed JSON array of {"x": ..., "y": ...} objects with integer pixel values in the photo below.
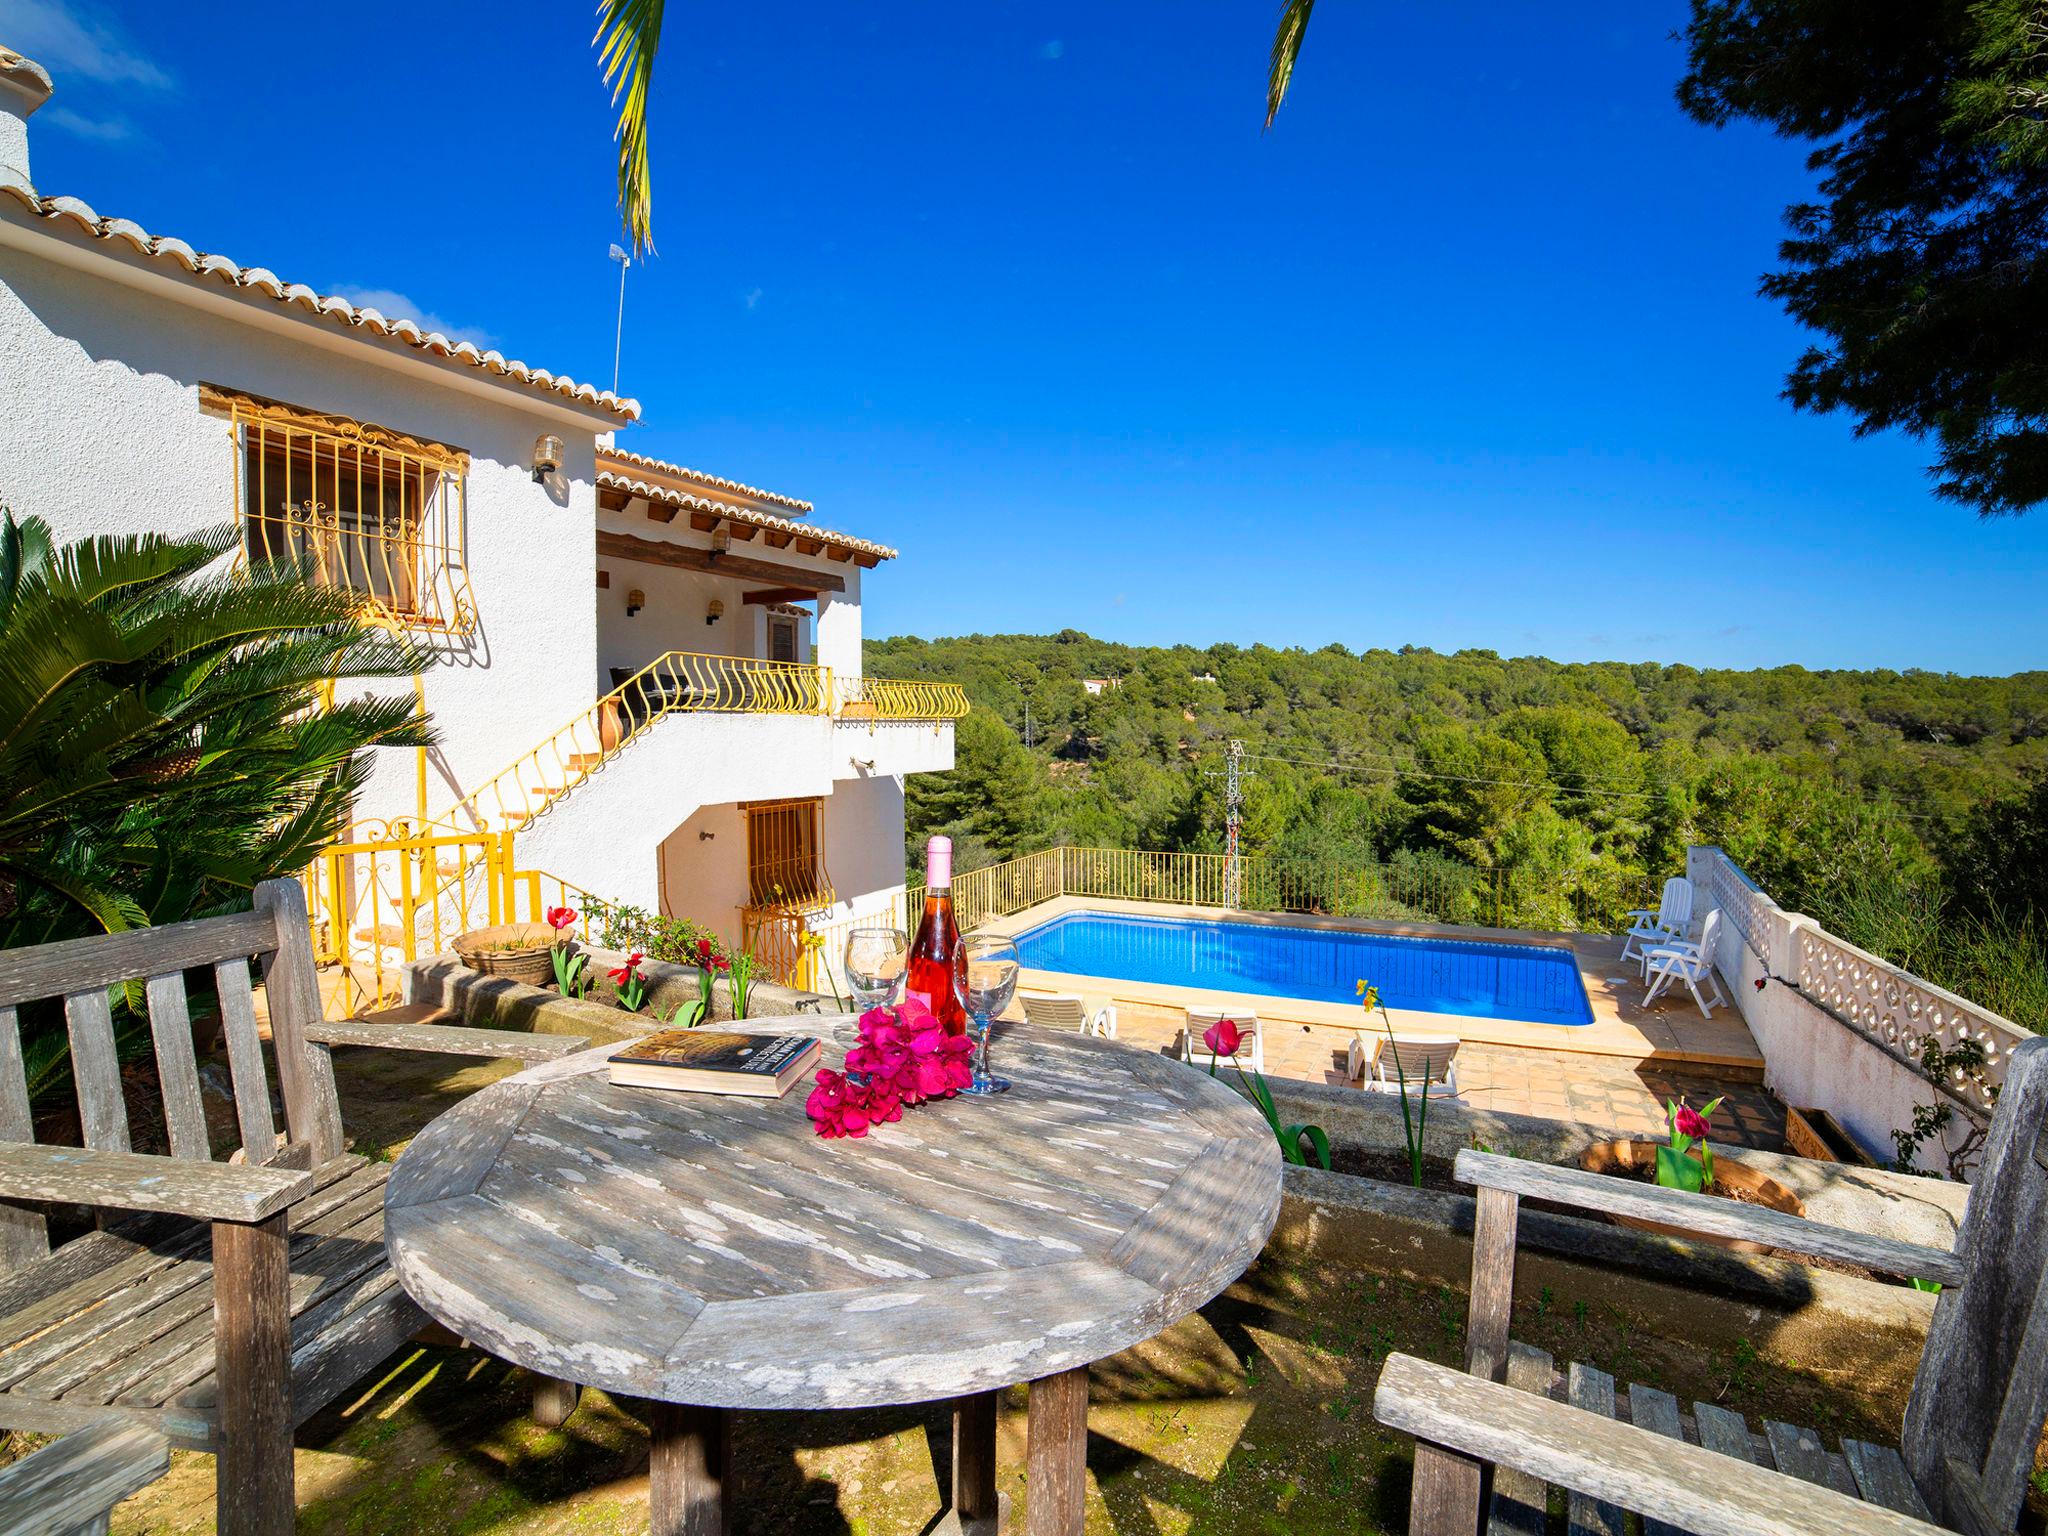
[
  {"x": 992, "y": 969},
  {"x": 874, "y": 964}
]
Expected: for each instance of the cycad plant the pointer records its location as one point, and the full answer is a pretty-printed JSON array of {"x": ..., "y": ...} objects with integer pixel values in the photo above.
[{"x": 163, "y": 744}]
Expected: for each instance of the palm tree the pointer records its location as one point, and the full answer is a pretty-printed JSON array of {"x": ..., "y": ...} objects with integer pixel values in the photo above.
[
  {"x": 628, "y": 33},
  {"x": 163, "y": 744},
  {"x": 1286, "y": 49}
]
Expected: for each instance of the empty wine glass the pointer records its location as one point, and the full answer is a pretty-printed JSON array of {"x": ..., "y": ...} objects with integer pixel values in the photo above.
[
  {"x": 992, "y": 969},
  {"x": 874, "y": 964}
]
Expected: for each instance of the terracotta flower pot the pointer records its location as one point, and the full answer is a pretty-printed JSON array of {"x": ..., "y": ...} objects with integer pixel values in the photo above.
[
  {"x": 516, "y": 951},
  {"x": 1638, "y": 1160}
]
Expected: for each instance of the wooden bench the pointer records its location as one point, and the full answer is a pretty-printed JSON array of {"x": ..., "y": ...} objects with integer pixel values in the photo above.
[
  {"x": 248, "y": 1294},
  {"x": 1972, "y": 1423},
  {"x": 70, "y": 1488}
]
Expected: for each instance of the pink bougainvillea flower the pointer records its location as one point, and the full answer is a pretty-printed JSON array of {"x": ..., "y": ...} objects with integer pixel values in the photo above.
[
  {"x": 1690, "y": 1122},
  {"x": 632, "y": 964},
  {"x": 1223, "y": 1037},
  {"x": 561, "y": 917},
  {"x": 840, "y": 1107}
]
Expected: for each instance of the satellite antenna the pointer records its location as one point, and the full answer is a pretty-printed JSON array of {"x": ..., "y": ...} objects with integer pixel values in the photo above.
[{"x": 619, "y": 255}]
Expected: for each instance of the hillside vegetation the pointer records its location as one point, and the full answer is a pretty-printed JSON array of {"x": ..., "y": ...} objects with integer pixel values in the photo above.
[{"x": 1908, "y": 811}]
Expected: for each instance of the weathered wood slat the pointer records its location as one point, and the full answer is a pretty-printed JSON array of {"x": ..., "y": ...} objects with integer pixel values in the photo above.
[
  {"x": 1619, "y": 1463},
  {"x": 1520, "y": 1502},
  {"x": 975, "y": 1498},
  {"x": 2002, "y": 1485},
  {"x": 1972, "y": 1358},
  {"x": 136, "y": 1181},
  {"x": 24, "y": 1235},
  {"x": 291, "y": 993},
  {"x": 1799, "y": 1453},
  {"x": 1706, "y": 1214},
  {"x": 69, "y": 1486},
  {"x": 1656, "y": 1411},
  {"x": 1882, "y": 1478},
  {"x": 76, "y": 965},
  {"x": 1199, "y": 1223},
  {"x": 170, "y": 1027},
  {"x": 446, "y": 1039},
  {"x": 1723, "y": 1432},
  {"x": 104, "y": 1259},
  {"x": 96, "y": 1070},
  {"x": 1585, "y": 1513},
  {"x": 334, "y": 1350},
  {"x": 689, "y": 1459},
  {"x": 472, "y": 1134},
  {"x": 133, "y": 1330},
  {"x": 245, "y": 1060}
]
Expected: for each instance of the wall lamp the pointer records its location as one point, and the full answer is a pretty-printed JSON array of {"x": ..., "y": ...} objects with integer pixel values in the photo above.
[
  {"x": 714, "y": 611},
  {"x": 721, "y": 541},
  {"x": 547, "y": 456},
  {"x": 635, "y": 601}
]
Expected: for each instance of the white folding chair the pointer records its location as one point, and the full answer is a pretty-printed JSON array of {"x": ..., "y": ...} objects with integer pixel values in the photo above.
[
  {"x": 1427, "y": 1063},
  {"x": 1069, "y": 1014},
  {"x": 1362, "y": 1056},
  {"x": 1251, "y": 1051},
  {"x": 1689, "y": 963},
  {"x": 1667, "y": 925}
]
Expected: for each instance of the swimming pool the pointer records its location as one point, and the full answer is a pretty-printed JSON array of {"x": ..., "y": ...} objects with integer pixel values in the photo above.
[{"x": 1533, "y": 982}]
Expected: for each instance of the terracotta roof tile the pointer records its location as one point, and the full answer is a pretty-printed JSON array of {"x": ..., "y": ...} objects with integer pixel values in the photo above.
[
  {"x": 201, "y": 267},
  {"x": 668, "y": 495},
  {"x": 643, "y": 461}
]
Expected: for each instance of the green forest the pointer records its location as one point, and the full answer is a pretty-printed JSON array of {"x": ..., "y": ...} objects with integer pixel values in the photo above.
[{"x": 1906, "y": 811}]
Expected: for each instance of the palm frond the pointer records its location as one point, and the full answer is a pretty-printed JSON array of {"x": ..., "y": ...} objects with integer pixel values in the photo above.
[
  {"x": 1286, "y": 49},
  {"x": 628, "y": 34}
]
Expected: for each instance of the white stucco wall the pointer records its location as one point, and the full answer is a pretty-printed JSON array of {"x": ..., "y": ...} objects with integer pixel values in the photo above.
[
  {"x": 863, "y": 837},
  {"x": 838, "y": 626},
  {"x": 606, "y": 834},
  {"x": 101, "y": 432},
  {"x": 704, "y": 869},
  {"x": 864, "y": 749}
]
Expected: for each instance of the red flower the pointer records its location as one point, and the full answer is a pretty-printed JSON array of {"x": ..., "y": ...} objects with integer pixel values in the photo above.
[
  {"x": 1690, "y": 1122},
  {"x": 624, "y": 972},
  {"x": 841, "y": 1107},
  {"x": 1223, "y": 1037},
  {"x": 561, "y": 917}
]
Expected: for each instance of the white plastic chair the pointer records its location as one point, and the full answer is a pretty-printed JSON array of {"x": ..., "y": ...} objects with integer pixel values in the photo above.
[
  {"x": 1429, "y": 1063},
  {"x": 1689, "y": 963},
  {"x": 1362, "y": 1055},
  {"x": 1251, "y": 1051},
  {"x": 1069, "y": 1015},
  {"x": 1667, "y": 925}
]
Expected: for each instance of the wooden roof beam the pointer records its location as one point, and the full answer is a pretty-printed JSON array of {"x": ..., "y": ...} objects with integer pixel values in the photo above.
[
  {"x": 780, "y": 595},
  {"x": 625, "y": 546}
]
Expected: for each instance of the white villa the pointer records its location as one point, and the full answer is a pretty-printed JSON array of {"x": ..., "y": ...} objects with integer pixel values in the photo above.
[{"x": 647, "y": 680}]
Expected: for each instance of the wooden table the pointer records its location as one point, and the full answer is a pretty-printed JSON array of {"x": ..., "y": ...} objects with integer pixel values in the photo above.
[{"x": 706, "y": 1253}]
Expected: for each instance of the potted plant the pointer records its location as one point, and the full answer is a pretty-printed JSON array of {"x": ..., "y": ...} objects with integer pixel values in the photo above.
[
  {"x": 1685, "y": 1161},
  {"x": 517, "y": 951}
]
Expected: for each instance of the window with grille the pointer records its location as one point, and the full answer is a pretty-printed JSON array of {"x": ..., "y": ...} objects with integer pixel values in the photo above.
[
  {"x": 785, "y": 859},
  {"x": 356, "y": 506}
]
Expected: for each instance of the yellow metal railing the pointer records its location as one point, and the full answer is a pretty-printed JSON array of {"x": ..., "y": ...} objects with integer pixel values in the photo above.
[
  {"x": 680, "y": 682},
  {"x": 388, "y": 894},
  {"x": 891, "y": 698}
]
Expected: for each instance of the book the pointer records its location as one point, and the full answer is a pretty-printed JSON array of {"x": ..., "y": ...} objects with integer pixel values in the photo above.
[{"x": 715, "y": 1061}]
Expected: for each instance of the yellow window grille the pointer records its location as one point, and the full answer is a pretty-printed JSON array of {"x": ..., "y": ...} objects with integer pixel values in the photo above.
[
  {"x": 785, "y": 859},
  {"x": 362, "y": 507}
]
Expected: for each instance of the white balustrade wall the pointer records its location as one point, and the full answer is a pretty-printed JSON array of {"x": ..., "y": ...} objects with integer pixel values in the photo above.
[{"x": 1840, "y": 1029}]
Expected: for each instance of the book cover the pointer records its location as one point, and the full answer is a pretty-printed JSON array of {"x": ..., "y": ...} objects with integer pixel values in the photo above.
[{"x": 713, "y": 1060}]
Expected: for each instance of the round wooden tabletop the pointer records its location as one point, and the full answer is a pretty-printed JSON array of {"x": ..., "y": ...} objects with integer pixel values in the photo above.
[{"x": 713, "y": 1250}]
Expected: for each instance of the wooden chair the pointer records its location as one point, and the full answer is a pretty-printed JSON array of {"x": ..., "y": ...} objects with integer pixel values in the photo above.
[
  {"x": 251, "y": 1292},
  {"x": 1974, "y": 1418},
  {"x": 70, "y": 1488}
]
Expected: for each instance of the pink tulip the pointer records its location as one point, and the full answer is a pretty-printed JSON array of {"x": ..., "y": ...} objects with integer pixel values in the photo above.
[
  {"x": 1689, "y": 1122},
  {"x": 1223, "y": 1037},
  {"x": 561, "y": 917}
]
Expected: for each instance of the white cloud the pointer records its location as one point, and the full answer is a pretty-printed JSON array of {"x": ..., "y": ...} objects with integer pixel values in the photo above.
[
  {"x": 107, "y": 130},
  {"x": 753, "y": 298},
  {"x": 393, "y": 305},
  {"x": 64, "y": 43}
]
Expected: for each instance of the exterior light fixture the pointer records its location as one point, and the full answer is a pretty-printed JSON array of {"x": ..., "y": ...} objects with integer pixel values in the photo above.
[
  {"x": 721, "y": 540},
  {"x": 635, "y": 601},
  {"x": 547, "y": 456},
  {"x": 714, "y": 611}
]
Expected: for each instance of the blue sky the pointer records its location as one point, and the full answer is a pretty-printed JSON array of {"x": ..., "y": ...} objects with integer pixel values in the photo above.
[{"x": 1466, "y": 352}]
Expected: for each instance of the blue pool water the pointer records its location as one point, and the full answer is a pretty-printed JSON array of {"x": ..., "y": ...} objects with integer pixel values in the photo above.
[{"x": 1538, "y": 983}]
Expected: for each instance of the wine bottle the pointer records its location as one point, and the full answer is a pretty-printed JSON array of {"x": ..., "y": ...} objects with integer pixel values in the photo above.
[{"x": 936, "y": 974}]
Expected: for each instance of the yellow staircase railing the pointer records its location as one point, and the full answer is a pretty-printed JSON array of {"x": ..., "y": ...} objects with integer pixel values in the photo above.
[{"x": 679, "y": 682}]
